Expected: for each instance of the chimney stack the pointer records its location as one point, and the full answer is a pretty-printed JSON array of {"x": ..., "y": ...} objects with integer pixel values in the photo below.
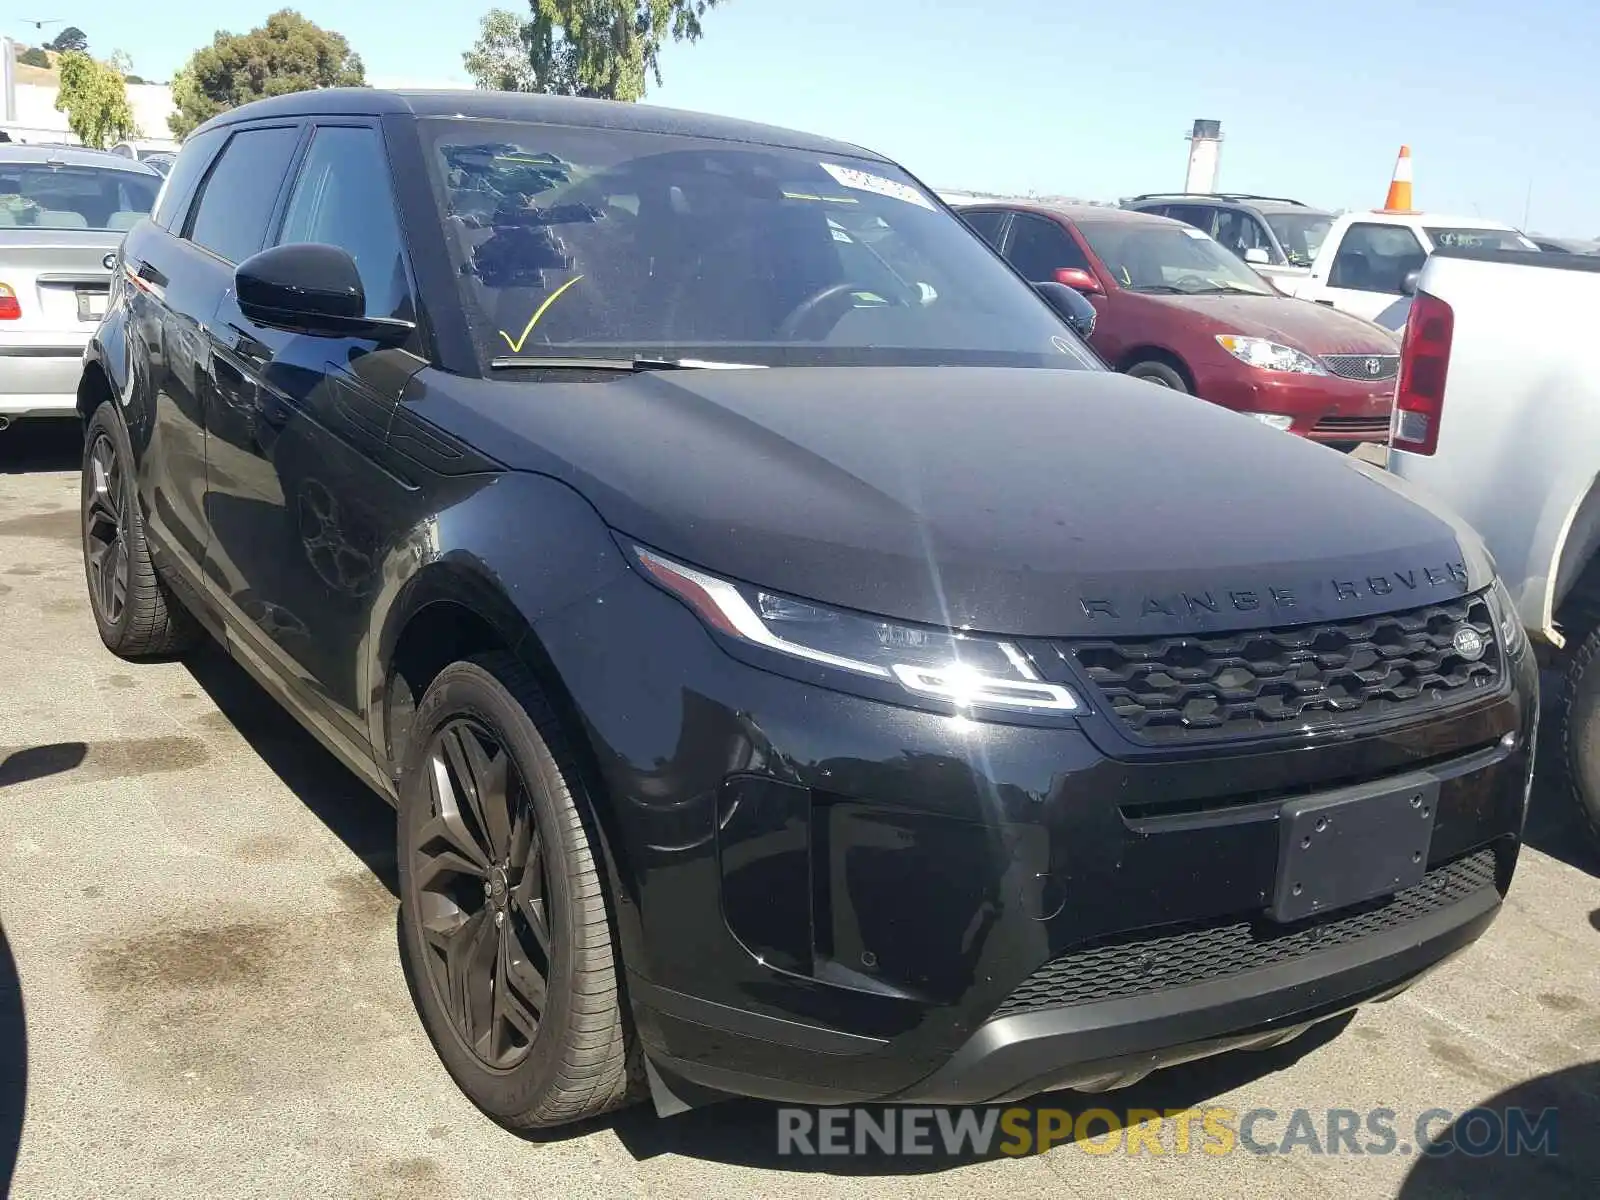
[{"x": 1205, "y": 152}]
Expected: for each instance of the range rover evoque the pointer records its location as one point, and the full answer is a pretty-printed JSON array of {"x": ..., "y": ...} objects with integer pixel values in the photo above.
[{"x": 801, "y": 669}]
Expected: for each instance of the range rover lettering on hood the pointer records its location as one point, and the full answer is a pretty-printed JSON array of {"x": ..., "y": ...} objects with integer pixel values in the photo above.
[{"x": 1281, "y": 601}]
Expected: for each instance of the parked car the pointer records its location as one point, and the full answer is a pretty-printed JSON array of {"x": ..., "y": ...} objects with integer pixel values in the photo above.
[
  {"x": 1366, "y": 258},
  {"x": 62, "y": 213},
  {"x": 1498, "y": 409},
  {"x": 1276, "y": 236},
  {"x": 144, "y": 149},
  {"x": 160, "y": 161},
  {"x": 802, "y": 669},
  {"x": 1176, "y": 309}
]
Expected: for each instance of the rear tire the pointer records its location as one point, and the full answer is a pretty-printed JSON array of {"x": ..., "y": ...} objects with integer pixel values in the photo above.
[
  {"x": 504, "y": 929},
  {"x": 1580, "y": 730},
  {"x": 135, "y": 612},
  {"x": 1158, "y": 372}
]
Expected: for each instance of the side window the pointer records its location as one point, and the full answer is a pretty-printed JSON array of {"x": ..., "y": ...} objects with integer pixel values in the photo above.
[
  {"x": 189, "y": 166},
  {"x": 1201, "y": 216},
  {"x": 1240, "y": 232},
  {"x": 236, "y": 200},
  {"x": 1376, "y": 258},
  {"x": 343, "y": 198},
  {"x": 987, "y": 224},
  {"x": 1039, "y": 248}
]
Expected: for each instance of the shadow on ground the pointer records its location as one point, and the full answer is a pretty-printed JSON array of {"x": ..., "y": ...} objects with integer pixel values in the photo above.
[
  {"x": 745, "y": 1132},
  {"x": 41, "y": 444},
  {"x": 356, "y": 815},
  {"x": 1554, "y": 826},
  {"x": 1536, "y": 1140},
  {"x": 13, "y": 1064}
]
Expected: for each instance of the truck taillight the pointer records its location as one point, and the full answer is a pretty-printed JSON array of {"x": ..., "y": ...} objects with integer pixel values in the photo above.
[
  {"x": 1424, "y": 359},
  {"x": 10, "y": 310}
]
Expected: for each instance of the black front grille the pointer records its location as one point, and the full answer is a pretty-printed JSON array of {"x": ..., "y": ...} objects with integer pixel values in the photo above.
[
  {"x": 1376, "y": 428},
  {"x": 1363, "y": 366},
  {"x": 1269, "y": 681},
  {"x": 1177, "y": 957}
]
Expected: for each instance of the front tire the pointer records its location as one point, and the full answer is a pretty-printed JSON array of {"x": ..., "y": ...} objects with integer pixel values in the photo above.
[
  {"x": 136, "y": 614},
  {"x": 1158, "y": 372},
  {"x": 1580, "y": 730},
  {"x": 503, "y": 921}
]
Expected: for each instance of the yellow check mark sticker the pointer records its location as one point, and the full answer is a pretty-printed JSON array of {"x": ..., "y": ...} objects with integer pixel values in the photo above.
[{"x": 516, "y": 346}]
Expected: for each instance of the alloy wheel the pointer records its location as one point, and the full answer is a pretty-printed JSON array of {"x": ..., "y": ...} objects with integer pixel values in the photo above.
[
  {"x": 479, "y": 873},
  {"x": 104, "y": 540}
]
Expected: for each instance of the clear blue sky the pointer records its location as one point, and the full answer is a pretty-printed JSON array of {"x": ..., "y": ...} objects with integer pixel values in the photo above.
[{"x": 1088, "y": 99}]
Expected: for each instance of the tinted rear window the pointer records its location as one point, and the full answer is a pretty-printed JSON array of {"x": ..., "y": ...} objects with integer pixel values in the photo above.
[
  {"x": 239, "y": 195},
  {"x": 42, "y": 196}
]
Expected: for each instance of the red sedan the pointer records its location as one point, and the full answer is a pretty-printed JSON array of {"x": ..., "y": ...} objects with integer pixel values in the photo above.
[{"x": 1177, "y": 309}]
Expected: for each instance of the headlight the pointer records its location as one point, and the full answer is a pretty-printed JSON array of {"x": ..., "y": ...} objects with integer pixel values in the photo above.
[
  {"x": 937, "y": 664},
  {"x": 1513, "y": 637},
  {"x": 1269, "y": 356}
]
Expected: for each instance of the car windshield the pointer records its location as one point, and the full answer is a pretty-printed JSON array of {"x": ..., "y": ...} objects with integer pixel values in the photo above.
[
  {"x": 45, "y": 196},
  {"x": 1171, "y": 258},
  {"x": 1478, "y": 239},
  {"x": 620, "y": 244},
  {"x": 1300, "y": 234}
]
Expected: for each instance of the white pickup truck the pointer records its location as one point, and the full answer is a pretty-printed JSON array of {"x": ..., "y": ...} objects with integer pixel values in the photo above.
[
  {"x": 1497, "y": 415},
  {"x": 1362, "y": 264}
]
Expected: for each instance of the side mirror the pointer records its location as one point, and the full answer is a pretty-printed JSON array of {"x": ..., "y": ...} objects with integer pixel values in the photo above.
[
  {"x": 1070, "y": 306},
  {"x": 310, "y": 288},
  {"x": 1257, "y": 257},
  {"x": 1077, "y": 279},
  {"x": 1408, "y": 285}
]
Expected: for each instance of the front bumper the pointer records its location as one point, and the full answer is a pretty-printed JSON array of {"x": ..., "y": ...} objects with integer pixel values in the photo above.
[
  {"x": 826, "y": 899},
  {"x": 1325, "y": 408}
]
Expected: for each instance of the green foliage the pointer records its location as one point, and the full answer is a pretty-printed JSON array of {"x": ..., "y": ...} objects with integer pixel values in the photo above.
[
  {"x": 605, "y": 48},
  {"x": 34, "y": 57},
  {"x": 134, "y": 79},
  {"x": 287, "y": 54},
  {"x": 70, "y": 38},
  {"x": 95, "y": 100}
]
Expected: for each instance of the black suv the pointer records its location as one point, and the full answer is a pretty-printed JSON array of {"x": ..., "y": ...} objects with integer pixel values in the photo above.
[
  {"x": 801, "y": 669},
  {"x": 1265, "y": 231}
]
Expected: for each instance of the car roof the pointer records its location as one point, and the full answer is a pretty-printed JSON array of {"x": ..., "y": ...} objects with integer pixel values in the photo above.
[
  {"x": 1261, "y": 204},
  {"x": 534, "y": 109},
  {"x": 1078, "y": 214},
  {"x": 1383, "y": 216},
  {"x": 70, "y": 156}
]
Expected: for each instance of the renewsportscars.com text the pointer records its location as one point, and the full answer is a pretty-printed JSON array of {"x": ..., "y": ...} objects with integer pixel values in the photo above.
[{"x": 1012, "y": 1132}]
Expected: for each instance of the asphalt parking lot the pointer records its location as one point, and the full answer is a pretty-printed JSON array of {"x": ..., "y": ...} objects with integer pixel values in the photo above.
[{"x": 200, "y": 993}]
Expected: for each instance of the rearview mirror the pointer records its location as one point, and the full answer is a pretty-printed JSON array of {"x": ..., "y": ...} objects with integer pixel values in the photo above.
[
  {"x": 1070, "y": 306},
  {"x": 1257, "y": 257},
  {"x": 311, "y": 288},
  {"x": 1408, "y": 285},
  {"x": 1077, "y": 278}
]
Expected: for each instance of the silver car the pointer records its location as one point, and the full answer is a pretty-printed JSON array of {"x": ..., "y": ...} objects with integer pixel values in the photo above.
[{"x": 63, "y": 213}]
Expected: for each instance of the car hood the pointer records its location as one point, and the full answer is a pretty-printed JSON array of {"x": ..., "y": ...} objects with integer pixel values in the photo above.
[
  {"x": 1029, "y": 502},
  {"x": 1314, "y": 328}
]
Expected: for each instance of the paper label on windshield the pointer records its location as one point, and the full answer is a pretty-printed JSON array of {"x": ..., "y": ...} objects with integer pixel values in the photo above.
[{"x": 863, "y": 181}]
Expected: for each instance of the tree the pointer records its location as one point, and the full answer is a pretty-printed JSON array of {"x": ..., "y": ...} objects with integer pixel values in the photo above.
[
  {"x": 604, "y": 48},
  {"x": 34, "y": 57},
  {"x": 287, "y": 54},
  {"x": 70, "y": 38},
  {"x": 95, "y": 100}
]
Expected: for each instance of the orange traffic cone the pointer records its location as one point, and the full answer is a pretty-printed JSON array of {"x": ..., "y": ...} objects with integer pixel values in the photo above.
[{"x": 1400, "y": 186}]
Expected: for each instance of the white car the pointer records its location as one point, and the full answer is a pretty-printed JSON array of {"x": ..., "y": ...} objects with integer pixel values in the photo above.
[
  {"x": 1368, "y": 260},
  {"x": 63, "y": 213}
]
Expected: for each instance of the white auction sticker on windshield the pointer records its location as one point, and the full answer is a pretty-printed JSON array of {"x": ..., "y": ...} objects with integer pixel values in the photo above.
[{"x": 863, "y": 181}]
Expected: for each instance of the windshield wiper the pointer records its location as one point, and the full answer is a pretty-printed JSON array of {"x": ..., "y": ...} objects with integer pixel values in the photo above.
[
  {"x": 552, "y": 363},
  {"x": 1216, "y": 288},
  {"x": 1165, "y": 288}
]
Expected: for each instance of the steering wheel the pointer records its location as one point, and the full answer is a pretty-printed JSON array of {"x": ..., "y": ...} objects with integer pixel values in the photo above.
[
  {"x": 1199, "y": 279},
  {"x": 812, "y": 304}
]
